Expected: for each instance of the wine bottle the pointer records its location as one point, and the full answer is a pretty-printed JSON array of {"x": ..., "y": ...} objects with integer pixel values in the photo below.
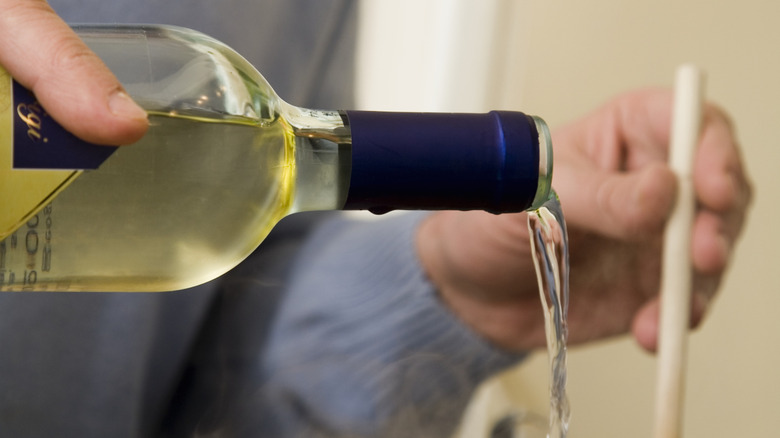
[{"x": 223, "y": 161}]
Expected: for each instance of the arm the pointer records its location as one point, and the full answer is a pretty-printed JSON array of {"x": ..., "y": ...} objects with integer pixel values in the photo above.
[
  {"x": 392, "y": 324},
  {"x": 361, "y": 345}
]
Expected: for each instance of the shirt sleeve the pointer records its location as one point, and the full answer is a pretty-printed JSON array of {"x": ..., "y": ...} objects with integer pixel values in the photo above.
[{"x": 363, "y": 346}]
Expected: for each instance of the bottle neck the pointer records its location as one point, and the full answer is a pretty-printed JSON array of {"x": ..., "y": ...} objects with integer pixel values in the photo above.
[
  {"x": 322, "y": 157},
  {"x": 357, "y": 160}
]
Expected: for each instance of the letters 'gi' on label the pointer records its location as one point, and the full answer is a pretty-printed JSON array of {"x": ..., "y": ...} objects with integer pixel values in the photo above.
[{"x": 41, "y": 143}]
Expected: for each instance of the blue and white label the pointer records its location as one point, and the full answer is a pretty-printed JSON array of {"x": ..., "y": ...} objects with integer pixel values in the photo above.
[{"x": 41, "y": 143}]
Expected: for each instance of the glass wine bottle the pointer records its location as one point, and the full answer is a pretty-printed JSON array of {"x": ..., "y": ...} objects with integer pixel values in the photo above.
[{"x": 223, "y": 161}]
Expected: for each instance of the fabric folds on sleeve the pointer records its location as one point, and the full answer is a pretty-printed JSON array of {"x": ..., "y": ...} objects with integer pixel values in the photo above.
[{"x": 362, "y": 344}]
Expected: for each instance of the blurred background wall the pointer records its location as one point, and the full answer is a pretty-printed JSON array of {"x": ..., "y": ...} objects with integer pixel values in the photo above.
[{"x": 559, "y": 59}]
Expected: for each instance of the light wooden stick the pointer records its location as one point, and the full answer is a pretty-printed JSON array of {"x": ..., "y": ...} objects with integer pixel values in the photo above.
[{"x": 676, "y": 276}]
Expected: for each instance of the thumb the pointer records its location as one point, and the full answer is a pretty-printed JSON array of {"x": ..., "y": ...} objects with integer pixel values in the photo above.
[
  {"x": 645, "y": 326},
  {"x": 623, "y": 204},
  {"x": 44, "y": 54}
]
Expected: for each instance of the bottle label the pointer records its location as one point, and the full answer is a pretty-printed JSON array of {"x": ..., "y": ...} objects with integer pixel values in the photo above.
[
  {"x": 41, "y": 143},
  {"x": 23, "y": 191}
]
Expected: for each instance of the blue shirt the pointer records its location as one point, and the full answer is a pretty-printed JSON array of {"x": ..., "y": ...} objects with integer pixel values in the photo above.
[{"x": 329, "y": 329}]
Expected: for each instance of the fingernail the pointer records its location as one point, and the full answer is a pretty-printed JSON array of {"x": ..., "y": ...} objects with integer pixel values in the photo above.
[{"x": 121, "y": 105}]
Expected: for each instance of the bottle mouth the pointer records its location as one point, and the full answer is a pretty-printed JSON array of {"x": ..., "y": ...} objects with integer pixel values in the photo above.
[{"x": 544, "y": 184}]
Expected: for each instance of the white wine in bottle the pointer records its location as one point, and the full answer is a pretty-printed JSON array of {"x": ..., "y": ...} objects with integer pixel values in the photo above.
[{"x": 223, "y": 161}]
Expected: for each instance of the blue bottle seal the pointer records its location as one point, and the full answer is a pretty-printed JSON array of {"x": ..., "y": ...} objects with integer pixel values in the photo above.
[{"x": 498, "y": 161}]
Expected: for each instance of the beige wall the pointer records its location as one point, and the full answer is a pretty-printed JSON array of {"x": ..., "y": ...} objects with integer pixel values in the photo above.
[
  {"x": 565, "y": 57},
  {"x": 586, "y": 50}
]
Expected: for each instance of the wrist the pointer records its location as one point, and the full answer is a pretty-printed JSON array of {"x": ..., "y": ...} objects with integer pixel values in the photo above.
[
  {"x": 516, "y": 325},
  {"x": 481, "y": 268}
]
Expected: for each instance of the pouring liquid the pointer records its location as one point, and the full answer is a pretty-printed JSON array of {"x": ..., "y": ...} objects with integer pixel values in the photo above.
[{"x": 550, "y": 246}]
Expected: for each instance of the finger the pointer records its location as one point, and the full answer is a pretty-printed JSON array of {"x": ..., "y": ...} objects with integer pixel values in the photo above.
[
  {"x": 711, "y": 244},
  {"x": 645, "y": 325},
  {"x": 625, "y": 205},
  {"x": 719, "y": 175},
  {"x": 723, "y": 193},
  {"x": 43, "y": 54}
]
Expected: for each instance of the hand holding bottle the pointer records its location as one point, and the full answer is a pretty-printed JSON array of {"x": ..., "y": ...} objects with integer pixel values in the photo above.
[
  {"x": 75, "y": 87},
  {"x": 616, "y": 192}
]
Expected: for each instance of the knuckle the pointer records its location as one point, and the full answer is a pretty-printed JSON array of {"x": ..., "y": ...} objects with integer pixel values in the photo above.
[
  {"x": 70, "y": 53},
  {"x": 25, "y": 8}
]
